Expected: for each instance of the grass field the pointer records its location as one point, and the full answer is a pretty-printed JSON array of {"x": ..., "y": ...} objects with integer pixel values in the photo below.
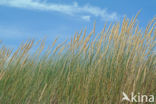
[{"x": 88, "y": 69}]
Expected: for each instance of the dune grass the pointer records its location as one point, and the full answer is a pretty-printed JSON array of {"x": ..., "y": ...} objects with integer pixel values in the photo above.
[{"x": 90, "y": 69}]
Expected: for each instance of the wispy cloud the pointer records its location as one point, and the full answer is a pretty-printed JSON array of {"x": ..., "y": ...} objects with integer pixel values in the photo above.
[
  {"x": 87, "y": 18},
  {"x": 74, "y": 9}
]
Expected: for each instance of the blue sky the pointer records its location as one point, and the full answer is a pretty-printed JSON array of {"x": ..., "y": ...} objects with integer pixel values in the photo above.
[{"x": 35, "y": 19}]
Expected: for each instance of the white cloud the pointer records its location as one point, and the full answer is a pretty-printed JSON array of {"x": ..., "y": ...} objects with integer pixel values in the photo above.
[
  {"x": 87, "y": 18},
  {"x": 73, "y": 9}
]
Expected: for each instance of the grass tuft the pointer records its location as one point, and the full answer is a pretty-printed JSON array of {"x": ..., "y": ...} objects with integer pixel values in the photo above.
[{"x": 90, "y": 69}]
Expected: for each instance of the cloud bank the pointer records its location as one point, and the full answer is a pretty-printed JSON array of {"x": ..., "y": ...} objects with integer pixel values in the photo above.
[{"x": 85, "y": 11}]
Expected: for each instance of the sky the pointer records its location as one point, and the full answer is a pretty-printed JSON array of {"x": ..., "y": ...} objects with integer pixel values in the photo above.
[{"x": 21, "y": 20}]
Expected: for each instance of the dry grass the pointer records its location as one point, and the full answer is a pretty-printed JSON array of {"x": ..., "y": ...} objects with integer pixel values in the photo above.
[{"x": 90, "y": 69}]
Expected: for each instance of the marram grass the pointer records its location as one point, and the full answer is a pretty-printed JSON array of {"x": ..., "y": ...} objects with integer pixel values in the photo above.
[{"x": 89, "y": 69}]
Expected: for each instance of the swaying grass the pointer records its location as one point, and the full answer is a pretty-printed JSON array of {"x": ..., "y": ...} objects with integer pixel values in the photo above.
[{"x": 90, "y": 69}]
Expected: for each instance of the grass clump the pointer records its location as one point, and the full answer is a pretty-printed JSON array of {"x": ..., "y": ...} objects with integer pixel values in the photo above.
[{"x": 90, "y": 69}]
